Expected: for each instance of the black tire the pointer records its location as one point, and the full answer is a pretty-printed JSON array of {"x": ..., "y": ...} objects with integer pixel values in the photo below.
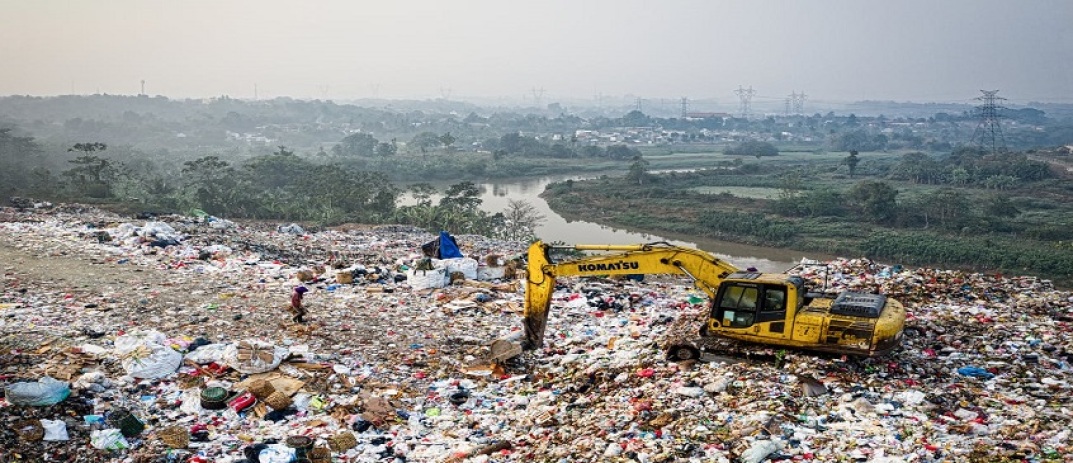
[{"x": 682, "y": 352}]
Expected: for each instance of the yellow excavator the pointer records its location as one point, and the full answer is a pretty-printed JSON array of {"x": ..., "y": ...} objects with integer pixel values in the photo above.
[{"x": 766, "y": 308}]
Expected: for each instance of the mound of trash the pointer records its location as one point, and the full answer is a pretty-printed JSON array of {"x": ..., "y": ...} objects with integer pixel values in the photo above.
[{"x": 169, "y": 341}]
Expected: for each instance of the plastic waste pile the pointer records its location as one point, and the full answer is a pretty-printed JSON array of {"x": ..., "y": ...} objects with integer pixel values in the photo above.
[{"x": 184, "y": 353}]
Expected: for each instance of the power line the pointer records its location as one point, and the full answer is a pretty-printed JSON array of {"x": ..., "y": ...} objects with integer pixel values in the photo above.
[{"x": 988, "y": 134}]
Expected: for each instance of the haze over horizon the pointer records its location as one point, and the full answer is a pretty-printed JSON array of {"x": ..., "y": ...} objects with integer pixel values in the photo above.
[{"x": 834, "y": 50}]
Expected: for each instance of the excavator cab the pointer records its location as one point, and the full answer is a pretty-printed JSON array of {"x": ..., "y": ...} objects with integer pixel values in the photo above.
[{"x": 752, "y": 305}]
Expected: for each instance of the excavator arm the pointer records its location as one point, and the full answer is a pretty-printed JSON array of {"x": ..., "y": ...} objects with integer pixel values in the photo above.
[{"x": 704, "y": 269}]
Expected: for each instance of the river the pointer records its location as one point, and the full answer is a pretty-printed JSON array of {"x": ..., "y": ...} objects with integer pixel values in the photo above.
[{"x": 496, "y": 195}]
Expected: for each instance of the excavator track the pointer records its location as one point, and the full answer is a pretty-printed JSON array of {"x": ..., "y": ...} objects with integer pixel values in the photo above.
[{"x": 683, "y": 342}]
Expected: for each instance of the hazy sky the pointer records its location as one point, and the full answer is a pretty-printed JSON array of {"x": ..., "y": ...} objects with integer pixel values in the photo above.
[{"x": 914, "y": 50}]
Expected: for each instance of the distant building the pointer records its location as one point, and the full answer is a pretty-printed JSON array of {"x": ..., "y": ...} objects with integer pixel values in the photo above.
[{"x": 704, "y": 115}]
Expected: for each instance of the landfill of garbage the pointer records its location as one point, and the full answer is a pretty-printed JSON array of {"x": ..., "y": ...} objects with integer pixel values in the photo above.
[{"x": 167, "y": 339}]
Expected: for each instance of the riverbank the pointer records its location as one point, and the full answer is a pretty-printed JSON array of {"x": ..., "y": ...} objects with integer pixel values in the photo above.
[{"x": 673, "y": 206}]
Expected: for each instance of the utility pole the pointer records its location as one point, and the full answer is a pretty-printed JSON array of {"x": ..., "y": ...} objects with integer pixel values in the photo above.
[
  {"x": 685, "y": 107},
  {"x": 746, "y": 97},
  {"x": 988, "y": 134}
]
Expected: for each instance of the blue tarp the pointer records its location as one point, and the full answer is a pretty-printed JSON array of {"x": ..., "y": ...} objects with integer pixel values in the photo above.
[{"x": 448, "y": 247}]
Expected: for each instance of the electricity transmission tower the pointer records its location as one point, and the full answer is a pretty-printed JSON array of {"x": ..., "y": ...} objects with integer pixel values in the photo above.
[
  {"x": 538, "y": 95},
  {"x": 988, "y": 134},
  {"x": 746, "y": 97},
  {"x": 685, "y": 107},
  {"x": 799, "y": 102}
]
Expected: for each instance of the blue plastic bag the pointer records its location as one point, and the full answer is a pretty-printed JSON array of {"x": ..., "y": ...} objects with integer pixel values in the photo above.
[
  {"x": 448, "y": 246},
  {"x": 975, "y": 372}
]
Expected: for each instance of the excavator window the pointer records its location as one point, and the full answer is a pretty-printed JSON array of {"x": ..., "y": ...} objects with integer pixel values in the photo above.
[
  {"x": 737, "y": 305},
  {"x": 774, "y": 308},
  {"x": 774, "y": 299},
  {"x": 740, "y": 305}
]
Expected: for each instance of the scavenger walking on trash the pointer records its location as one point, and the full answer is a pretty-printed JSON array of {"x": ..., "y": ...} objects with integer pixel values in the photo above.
[{"x": 297, "y": 310}]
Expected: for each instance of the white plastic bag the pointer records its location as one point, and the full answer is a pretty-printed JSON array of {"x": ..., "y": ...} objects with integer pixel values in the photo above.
[
  {"x": 252, "y": 356},
  {"x": 159, "y": 230},
  {"x": 55, "y": 430},
  {"x": 276, "y": 453},
  {"x": 207, "y": 354},
  {"x": 108, "y": 439},
  {"x": 156, "y": 361},
  {"x": 760, "y": 450},
  {"x": 46, "y": 391},
  {"x": 191, "y": 399},
  {"x": 467, "y": 266},
  {"x": 131, "y": 341},
  {"x": 425, "y": 279}
]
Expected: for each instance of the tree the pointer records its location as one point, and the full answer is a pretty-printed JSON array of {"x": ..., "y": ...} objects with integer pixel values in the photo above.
[
  {"x": 875, "y": 200},
  {"x": 918, "y": 168},
  {"x": 385, "y": 149},
  {"x": 823, "y": 202},
  {"x": 851, "y": 161},
  {"x": 947, "y": 206},
  {"x": 753, "y": 148},
  {"x": 622, "y": 152},
  {"x": 425, "y": 140},
  {"x": 511, "y": 142},
  {"x": 88, "y": 148},
  {"x": 447, "y": 139},
  {"x": 14, "y": 153},
  {"x": 521, "y": 220},
  {"x": 999, "y": 205},
  {"x": 212, "y": 184},
  {"x": 638, "y": 170},
  {"x": 592, "y": 151},
  {"x": 358, "y": 144},
  {"x": 858, "y": 140},
  {"x": 1000, "y": 182},
  {"x": 463, "y": 196},
  {"x": 960, "y": 176},
  {"x": 636, "y": 118},
  {"x": 92, "y": 176}
]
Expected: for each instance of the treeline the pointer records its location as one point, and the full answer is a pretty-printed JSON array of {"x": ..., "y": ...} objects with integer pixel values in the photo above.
[
  {"x": 515, "y": 144},
  {"x": 277, "y": 186},
  {"x": 970, "y": 166}
]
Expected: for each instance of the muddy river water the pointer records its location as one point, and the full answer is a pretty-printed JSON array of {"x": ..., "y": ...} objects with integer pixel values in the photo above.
[{"x": 495, "y": 196}]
